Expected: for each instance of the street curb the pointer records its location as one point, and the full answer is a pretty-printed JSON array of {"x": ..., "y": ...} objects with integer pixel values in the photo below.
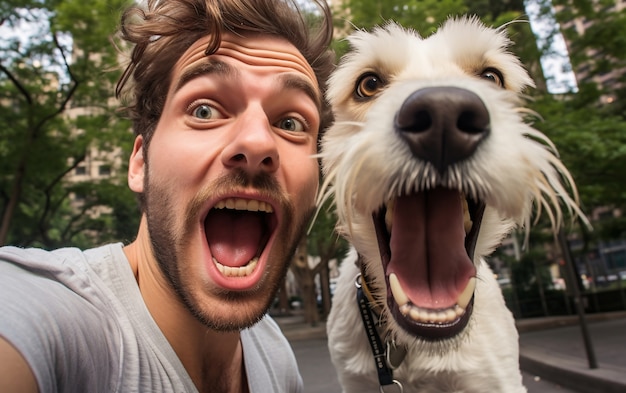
[
  {"x": 572, "y": 372},
  {"x": 544, "y": 323}
]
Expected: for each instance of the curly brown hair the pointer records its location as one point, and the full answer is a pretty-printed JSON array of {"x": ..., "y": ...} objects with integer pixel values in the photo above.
[{"x": 162, "y": 30}]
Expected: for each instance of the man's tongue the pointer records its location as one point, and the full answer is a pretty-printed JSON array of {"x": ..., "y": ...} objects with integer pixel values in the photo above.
[
  {"x": 428, "y": 247},
  {"x": 233, "y": 236}
]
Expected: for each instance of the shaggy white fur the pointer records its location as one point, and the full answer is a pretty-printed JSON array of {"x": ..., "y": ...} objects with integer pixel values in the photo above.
[{"x": 393, "y": 144}]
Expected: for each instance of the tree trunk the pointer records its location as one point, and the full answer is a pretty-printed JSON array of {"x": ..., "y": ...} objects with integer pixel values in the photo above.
[
  {"x": 7, "y": 215},
  {"x": 283, "y": 300},
  {"x": 325, "y": 287},
  {"x": 305, "y": 278}
]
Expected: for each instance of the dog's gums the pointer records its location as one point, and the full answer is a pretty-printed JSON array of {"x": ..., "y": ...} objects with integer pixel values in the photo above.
[{"x": 236, "y": 251}]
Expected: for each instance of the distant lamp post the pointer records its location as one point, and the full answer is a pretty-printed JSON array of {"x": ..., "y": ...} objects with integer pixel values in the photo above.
[{"x": 574, "y": 290}]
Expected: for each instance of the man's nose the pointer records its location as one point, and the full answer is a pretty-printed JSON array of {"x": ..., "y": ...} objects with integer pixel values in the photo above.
[{"x": 253, "y": 148}]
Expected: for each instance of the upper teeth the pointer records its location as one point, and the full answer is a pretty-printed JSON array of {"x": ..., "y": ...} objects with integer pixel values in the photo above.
[
  {"x": 252, "y": 205},
  {"x": 425, "y": 315},
  {"x": 467, "y": 220},
  {"x": 389, "y": 214}
]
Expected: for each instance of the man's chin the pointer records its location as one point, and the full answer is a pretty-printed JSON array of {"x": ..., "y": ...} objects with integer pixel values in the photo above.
[{"x": 232, "y": 314}]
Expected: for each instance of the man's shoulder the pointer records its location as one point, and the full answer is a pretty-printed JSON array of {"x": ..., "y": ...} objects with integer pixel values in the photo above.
[
  {"x": 56, "y": 315},
  {"x": 40, "y": 281},
  {"x": 59, "y": 285},
  {"x": 61, "y": 264}
]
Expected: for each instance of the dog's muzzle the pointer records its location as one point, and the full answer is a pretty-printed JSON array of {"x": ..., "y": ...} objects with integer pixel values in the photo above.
[
  {"x": 427, "y": 236},
  {"x": 443, "y": 125}
]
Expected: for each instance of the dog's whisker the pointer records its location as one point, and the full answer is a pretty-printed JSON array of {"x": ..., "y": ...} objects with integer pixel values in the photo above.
[
  {"x": 543, "y": 141},
  {"x": 528, "y": 111}
]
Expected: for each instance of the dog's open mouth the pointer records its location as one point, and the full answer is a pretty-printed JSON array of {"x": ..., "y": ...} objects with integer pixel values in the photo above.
[{"x": 426, "y": 243}]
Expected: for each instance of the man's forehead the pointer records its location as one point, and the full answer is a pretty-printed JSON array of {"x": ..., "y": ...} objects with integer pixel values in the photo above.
[{"x": 258, "y": 50}]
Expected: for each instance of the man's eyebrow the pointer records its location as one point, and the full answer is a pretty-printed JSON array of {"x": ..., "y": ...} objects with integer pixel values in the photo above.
[
  {"x": 212, "y": 66},
  {"x": 292, "y": 81}
]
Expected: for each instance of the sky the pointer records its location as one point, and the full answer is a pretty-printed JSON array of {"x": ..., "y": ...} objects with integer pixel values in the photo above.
[{"x": 556, "y": 65}]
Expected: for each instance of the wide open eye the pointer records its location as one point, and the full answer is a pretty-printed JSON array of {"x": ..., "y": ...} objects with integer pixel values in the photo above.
[
  {"x": 368, "y": 85},
  {"x": 291, "y": 124},
  {"x": 493, "y": 75},
  {"x": 204, "y": 111}
]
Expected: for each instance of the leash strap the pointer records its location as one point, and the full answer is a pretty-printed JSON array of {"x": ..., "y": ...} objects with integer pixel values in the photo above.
[{"x": 385, "y": 374}]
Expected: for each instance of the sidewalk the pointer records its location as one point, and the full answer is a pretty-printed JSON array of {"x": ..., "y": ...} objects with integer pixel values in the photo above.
[
  {"x": 551, "y": 348},
  {"x": 294, "y": 328}
]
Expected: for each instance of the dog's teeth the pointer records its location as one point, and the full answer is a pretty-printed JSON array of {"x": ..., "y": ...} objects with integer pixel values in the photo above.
[
  {"x": 423, "y": 315},
  {"x": 467, "y": 220},
  {"x": 435, "y": 316},
  {"x": 417, "y": 314},
  {"x": 389, "y": 214},
  {"x": 397, "y": 291},
  {"x": 467, "y": 294}
]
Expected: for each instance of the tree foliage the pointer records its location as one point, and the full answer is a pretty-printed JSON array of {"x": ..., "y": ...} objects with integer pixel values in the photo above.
[
  {"x": 599, "y": 47},
  {"x": 588, "y": 129},
  {"x": 592, "y": 144},
  {"x": 56, "y": 86}
]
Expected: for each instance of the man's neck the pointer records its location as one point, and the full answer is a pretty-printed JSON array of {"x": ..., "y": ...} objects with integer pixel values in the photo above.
[{"x": 213, "y": 360}]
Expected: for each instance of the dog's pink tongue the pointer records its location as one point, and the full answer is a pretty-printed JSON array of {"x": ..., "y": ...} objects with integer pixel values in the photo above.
[
  {"x": 233, "y": 237},
  {"x": 428, "y": 248}
]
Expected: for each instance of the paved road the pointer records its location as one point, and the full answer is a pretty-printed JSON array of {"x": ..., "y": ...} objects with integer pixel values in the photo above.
[{"x": 319, "y": 375}]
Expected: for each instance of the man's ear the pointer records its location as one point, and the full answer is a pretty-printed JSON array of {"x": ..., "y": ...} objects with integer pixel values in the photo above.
[{"x": 136, "y": 166}]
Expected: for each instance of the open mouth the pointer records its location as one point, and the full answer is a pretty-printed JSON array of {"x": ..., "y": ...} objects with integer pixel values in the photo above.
[
  {"x": 237, "y": 231},
  {"x": 426, "y": 242}
]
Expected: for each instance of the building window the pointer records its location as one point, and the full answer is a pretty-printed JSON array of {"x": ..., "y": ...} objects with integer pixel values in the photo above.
[
  {"x": 81, "y": 170},
  {"x": 104, "y": 170}
]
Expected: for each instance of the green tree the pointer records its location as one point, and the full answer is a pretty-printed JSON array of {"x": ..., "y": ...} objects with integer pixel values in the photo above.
[
  {"x": 56, "y": 86},
  {"x": 327, "y": 245},
  {"x": 599, "y": 49},
  {"x": 425, "y": 16},
  {"x": 589, "y": 130}
]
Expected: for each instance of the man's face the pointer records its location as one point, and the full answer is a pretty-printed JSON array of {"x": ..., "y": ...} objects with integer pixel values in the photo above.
[{"x": 228, "y": 176}]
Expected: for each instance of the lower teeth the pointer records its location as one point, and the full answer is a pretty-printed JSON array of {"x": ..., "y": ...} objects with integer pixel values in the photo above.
[
  {"x": 242, "y": 271},
  {"x": 419, "y": 314}
]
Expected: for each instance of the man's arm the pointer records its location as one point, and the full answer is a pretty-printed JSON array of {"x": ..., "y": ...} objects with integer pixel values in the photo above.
[{"x": 15, "y": 374}]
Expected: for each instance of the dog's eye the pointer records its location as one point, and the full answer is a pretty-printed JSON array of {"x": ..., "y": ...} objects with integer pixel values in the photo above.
[
  {"x": 493, "y": 75},
  {"x": 368, "y": 85}
]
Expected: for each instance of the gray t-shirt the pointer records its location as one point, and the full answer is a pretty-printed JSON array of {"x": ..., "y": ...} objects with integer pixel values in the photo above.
[{"x": 80, "y": 322}]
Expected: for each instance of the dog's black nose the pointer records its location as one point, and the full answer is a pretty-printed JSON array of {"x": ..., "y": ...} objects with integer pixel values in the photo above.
[{"x": 443, "y": 125}]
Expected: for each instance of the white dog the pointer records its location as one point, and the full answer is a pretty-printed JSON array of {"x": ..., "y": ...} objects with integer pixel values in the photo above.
[{"x": 431, "y": 164}]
